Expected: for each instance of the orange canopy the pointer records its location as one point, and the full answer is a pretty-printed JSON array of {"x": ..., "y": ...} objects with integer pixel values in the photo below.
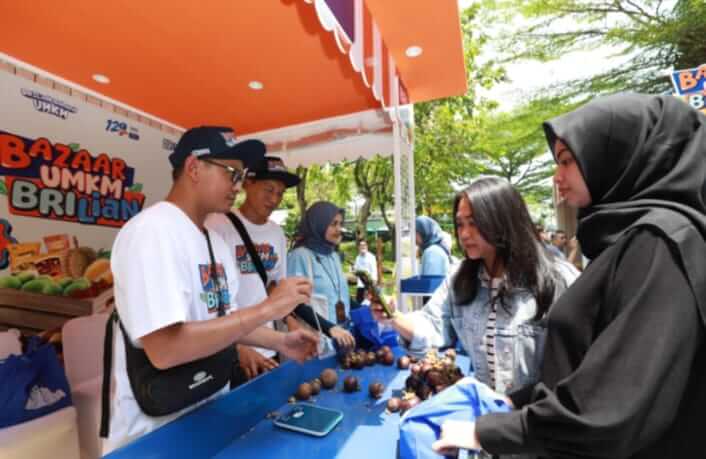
[{"x": 191, "y": 63}]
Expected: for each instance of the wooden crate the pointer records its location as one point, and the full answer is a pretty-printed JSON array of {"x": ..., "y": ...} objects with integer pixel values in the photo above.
[{"x": 34, "y": 312}]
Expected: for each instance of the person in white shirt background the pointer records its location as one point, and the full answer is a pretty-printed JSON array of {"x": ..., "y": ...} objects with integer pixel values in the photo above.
[
  {"x": 365, "y": 261},
  {"x": 164, "y": 287}
]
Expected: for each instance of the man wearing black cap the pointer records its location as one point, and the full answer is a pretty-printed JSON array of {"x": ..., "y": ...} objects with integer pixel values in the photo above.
[
  {"x": 176, "y": 287},
  {"x": 264, "y": 188}
]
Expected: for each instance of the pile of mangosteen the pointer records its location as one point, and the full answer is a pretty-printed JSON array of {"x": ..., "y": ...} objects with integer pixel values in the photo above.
[
  {"x": 359, "y": 359},
  {"x": 428, "y": 376}
]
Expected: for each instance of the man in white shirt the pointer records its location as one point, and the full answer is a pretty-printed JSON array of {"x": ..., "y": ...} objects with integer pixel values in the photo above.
[
  {"x": 166, "y": 294},
  {"x": 365, "y": 261},
  {"x": 264, "y": 188}
]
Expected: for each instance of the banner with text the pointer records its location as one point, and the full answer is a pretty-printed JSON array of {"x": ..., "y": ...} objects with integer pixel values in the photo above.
[{"x": 70, "y": 167}]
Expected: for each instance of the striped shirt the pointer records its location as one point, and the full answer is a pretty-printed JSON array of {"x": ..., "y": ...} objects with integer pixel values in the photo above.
[{"x": 491, "y": 325}]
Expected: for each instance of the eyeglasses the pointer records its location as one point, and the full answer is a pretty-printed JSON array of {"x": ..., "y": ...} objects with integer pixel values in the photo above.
[{"x": 236, "y": 175}]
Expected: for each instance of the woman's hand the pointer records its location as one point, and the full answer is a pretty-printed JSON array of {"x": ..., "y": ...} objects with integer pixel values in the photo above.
[
  {"x": 402, "y": 323},
  {"x": 342, "y": 337},
  {"x": 379, "y": 313},
  {"x": 456, "y": 435}
]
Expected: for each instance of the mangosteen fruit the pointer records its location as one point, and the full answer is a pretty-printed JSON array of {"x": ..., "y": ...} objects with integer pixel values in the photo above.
[
  {"x": 328, "y": 378},
  {"x": 315, "y": 386},
  {"x": 376, "y": 389},
  {"x": 303, "y": 391},
  {"x": 388, "y": 358},
  {"x": 403, "y": 362},
  {"x": 351, "y": 384},
  {"x": 393, "y": 404}
]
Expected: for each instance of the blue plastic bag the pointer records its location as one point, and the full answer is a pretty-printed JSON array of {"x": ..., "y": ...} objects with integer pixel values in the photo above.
[
  {"x": 33, "y": 384},
  {"x": 367, "y": 331},
  {"x": 464, "y": 401}
]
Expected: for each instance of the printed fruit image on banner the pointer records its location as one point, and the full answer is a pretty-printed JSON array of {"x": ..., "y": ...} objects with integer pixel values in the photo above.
[
  {"x": 54, "y": 181},
  {"x": 60, "y": 270}
]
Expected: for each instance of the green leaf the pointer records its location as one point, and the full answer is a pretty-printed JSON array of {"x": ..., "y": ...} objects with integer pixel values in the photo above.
[
  {"x": 3, "y": 187},
  {"x": 136, "y": 187}
]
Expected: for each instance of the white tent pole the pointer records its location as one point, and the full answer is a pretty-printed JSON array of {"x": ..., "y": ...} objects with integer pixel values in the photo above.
[
  {"x": 399, "y": 224},
  {"x": 411, "y": 190},
  {"x": 397, "y": 162}
]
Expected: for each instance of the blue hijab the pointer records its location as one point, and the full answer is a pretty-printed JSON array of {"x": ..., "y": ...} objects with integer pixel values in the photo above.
[
  {"x": 430, "y": 232},
  {"x": 312, "y": 228}
]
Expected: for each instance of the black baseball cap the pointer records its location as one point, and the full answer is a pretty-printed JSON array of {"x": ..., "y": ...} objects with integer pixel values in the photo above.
[
  {"x": 214, "y": 142},
  {"x": 273, "y": 168}
]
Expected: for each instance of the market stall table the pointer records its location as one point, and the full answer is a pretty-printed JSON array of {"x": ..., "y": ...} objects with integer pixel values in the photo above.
[{"x": 237, "y": 425}]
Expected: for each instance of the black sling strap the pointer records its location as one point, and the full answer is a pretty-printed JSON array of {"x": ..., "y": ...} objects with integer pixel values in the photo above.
[
  {"x": 108, "y": 346},
  {"x": 303, "y": 311},
  {"x": 107, "y": 374},
  {"x": 254, "y": 256}
]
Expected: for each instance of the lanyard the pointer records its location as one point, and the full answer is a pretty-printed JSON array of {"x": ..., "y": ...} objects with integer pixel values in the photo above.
[{"x": 336, "y": 284}]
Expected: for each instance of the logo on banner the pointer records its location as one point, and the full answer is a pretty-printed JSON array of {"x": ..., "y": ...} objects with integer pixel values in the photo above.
[
  {"x": 690, "y": 86},
  {"x": 690, "y": 81},
  {"x": 57, "y": 182},
  {"x": 48, "y": 104},
  {"x": 121, "y": 128}
]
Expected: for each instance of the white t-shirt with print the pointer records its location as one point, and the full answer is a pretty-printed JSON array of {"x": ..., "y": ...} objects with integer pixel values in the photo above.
[
  {"x": 160, "y": 262},
  {"x": 270, "y": 244}
]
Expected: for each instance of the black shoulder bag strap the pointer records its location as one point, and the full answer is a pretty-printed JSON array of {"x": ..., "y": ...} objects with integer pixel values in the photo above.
[
  {"x": 308, "y": 318},
  {"x": 108, "y": 346},
  {"x": 254, "y": 256},
  {"x": 107, "y": 373}
]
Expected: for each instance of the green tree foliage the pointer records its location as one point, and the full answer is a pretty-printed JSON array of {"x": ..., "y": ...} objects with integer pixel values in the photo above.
[
  {"x": 446, "y": 129},
  {"x": 653, "y": 36},
  {"x": 328, "y": 182},
  {"x": 512, "y": 145},
  {"x": 374, "y": 183}
]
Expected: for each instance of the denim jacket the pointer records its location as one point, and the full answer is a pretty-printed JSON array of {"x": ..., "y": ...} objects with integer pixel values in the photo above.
[{"x": 519, "y": 337}]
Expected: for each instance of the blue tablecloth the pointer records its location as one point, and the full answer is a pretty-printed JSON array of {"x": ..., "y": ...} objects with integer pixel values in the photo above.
[{"x": 235, "y": 426}]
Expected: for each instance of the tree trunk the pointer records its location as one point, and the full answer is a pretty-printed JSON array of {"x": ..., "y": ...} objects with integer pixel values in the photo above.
[
  {"x": 360, "y": 175},
  {"x": 362, "y": 224},
  {"x": 301, "y": 190},
  {"x": 380, "y": 256},
  {"x": 390, "y": 226}
]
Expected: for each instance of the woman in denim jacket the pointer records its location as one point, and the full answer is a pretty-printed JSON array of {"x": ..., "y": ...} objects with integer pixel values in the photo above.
[{"x": 495, "y": 301}]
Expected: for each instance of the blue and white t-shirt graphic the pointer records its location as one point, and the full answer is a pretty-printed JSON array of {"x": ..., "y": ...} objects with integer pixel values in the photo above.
[
  {"x": 267, "y": 254},
  {"x": 211, "y": 287}
]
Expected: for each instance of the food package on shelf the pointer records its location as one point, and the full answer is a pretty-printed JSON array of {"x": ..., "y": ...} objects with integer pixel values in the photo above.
[
  {"x": 22, "y": 254},
  {"x": 57, "y": 243}
]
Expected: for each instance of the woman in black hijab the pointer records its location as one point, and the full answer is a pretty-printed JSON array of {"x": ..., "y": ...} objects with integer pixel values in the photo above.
[{"x": 624, "y": 371}]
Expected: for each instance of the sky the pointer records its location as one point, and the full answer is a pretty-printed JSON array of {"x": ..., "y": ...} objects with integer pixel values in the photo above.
[{"x": 529, "y": 76}]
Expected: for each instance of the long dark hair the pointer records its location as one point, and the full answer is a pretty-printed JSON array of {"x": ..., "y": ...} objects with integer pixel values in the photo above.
[{"x": 501, "y": 216}]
